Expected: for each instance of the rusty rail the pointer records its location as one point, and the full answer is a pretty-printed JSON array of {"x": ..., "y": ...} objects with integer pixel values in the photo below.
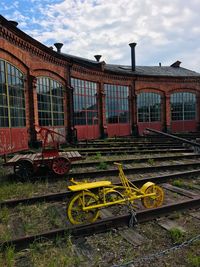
[
  {"x": 174, "y": 137},
  {"x": 102, "y": 225}
]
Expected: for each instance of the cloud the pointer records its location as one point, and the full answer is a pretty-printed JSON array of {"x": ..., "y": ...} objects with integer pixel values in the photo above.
[{"x": 165, "y": 30}]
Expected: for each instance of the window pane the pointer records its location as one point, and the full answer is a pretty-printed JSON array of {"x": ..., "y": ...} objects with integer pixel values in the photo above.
[
  {"x": 117, "y": 107},
  {"x": 12, "y": 96},
  {"x": 149, "y": 107},
  {"x": 183, "y": 106},
  {"x": 85, "y": 102},
  {"x": 50, "y": 102}
]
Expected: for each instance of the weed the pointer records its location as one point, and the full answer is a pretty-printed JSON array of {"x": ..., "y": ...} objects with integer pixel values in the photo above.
[
  {"x": 8, "y": 190},
  {"x": 5, "y": 236},
  {"x": 97, "y": 156},
  {"x": 194, "y": 261},
  {"x": 10, "y": 256},
  {"x": 178, "y": 183},
  {"x": 64, "y": 255},
  {"x": 4, "y": 215},
  {"x": 102, "y": 166},
  {"x": 177, "y": 235},
  {"x": 151, "y": 161},
  {"x": 53, "y": 215}
]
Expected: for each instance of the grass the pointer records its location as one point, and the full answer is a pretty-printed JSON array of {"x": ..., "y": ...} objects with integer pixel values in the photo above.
[
  {"x": 97, "y": 156},
  {"x": 151, "y": 162},
  {"x": 62, "y": 254},
  {"x": 12, "y": 190},
  {"x": 181, "y": 184},
  {"x": 178, "y": 183},
  {"x": 193, "y": 260},
  {"x": 176, "y": 235},
  {"x": 102, "y": 166},
  {"x": 27, "y": 189},
  {"x": 10, "y": 256},
  {"x": 7, "y": 258},
  {"x": 4, "y": 215}
]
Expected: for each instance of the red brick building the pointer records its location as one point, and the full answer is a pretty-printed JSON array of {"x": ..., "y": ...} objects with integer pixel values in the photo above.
[{"x": 87, "y": 99}]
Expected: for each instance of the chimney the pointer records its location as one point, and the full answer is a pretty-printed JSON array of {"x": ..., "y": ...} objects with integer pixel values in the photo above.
[
  {"x": 176, "y": 64},
  {"x": 132, "y": 45},
  {"x": 58, "y": 47},
  {"x": 97, "y": 57},
  {"x": 14, "y": 23}
]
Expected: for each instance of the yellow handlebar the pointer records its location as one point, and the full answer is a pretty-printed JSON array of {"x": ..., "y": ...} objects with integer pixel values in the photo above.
[{"x": 118, "y": 164}]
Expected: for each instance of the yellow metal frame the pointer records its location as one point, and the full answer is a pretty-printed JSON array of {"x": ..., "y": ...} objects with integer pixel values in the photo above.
[{"x": 90, "y": 197}]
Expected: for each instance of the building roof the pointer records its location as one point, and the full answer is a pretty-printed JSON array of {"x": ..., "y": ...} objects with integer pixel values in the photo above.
[
  {"x": 165, "y": 71},
  {"x": 168, "y": 71},
  {"x": 81, "y": 60}
]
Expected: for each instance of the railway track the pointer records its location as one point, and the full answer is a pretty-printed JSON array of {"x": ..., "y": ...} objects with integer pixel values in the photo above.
[
  {"x": 133, "y": 170},
  {"x": 84, "y": 164},
  {"x": 160, "y": 174},
  {"x": 134, "y": 147},
  {"x": 103, "y": 225},
  {"x": 110, "y": 152},
  {"x": 52, "y": 197}
]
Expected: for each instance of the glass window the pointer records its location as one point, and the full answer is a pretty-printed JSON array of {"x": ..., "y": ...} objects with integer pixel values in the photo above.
[
  {"x": 117, "y": 107},
  {"x": 183, "y": 106},
  {"x": 50, "y": 102},
  {"x": 85, "y": 102},
  {"x": 148, "y": 107},
  {"x": 12, "y": 96}
]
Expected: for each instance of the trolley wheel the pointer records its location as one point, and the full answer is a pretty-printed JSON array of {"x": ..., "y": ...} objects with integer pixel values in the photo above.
[
  {"x": 23, "y": 169},
  {"x": 75, "y": 213},
  {"x": 153, "y": 201},
  {"x": 61, "y": 165}
]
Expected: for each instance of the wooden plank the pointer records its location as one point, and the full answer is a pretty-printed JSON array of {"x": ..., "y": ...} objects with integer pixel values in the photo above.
[
  {"x": 73, "y": 155},
  {"x": 168, "y": 224},
  {"x": 195, "y": 214},
  {"x": 14, "y": 159},
  {"x": 67, "y": 154},
  {"x": 78, "y": 154},
  {"x": 105, "y": 213},
  {"x": 132, "y": 236}
]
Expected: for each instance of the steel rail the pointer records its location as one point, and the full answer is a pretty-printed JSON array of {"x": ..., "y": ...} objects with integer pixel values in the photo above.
[
  {"x": 67, "y": 194},
  {"x": 102, "y": 225},
  {"x": 124, "y": 144},
  {"x": 133, "y": 151},
  {"x": 136, "y": 160},
  {"x": 183, "y": 140},
  {"x": 91, "y": 149}
]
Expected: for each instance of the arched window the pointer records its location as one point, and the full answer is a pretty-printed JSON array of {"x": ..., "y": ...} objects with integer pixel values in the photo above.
[
  {"x": 183, "y": 106},
  {"x": 85, "y": 102},
  {"x": 50, "y": 102},
  {"x": 117, "y": 107},
  {"x": 148, "y": 107},
  {"x": 12, "y": 96}
]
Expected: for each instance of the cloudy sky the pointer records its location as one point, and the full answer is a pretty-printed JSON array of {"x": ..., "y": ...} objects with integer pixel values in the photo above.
[{"x": 164, "y": 30}]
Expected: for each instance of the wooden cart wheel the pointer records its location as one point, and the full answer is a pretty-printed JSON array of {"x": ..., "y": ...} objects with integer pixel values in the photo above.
[
  {"x": 23, "y": 169},
  {"x": 75, "y": 213},
  {"x": 153, "y": 201},
  {"x": 61, "y": 165}
]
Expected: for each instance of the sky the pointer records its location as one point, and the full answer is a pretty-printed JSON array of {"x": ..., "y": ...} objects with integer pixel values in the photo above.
[{"x": 165, "y": 30}]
